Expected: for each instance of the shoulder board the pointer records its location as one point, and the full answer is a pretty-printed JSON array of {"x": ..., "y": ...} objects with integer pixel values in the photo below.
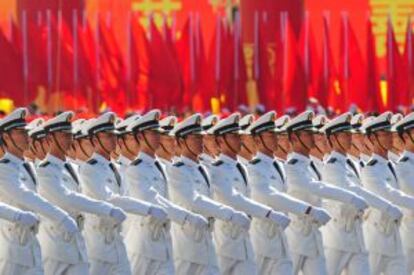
[
  {"x": 292, "y": 161},
  {"x": 255, "y": 161},
  {"x": 372, "y": 162},
  {"x": 44, "y": 164},
  {"x": 332, "y": 160},
  {"x": 136, "y": 162},
  {"x": 404, "y": 159},
  {"x": 178, "y": 164},
  {"x": 218, "y": 163},
  {"x": 4, "y": 161},
  {"x": 92, "y": 161}
]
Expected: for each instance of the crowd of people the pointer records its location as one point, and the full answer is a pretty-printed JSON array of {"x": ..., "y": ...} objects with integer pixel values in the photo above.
[{"x": 242, "y": 194}]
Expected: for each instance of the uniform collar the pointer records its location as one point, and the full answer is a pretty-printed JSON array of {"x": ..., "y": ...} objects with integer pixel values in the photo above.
[
  {"x": 100, "y": 158},
  {"x": 124, "y": 160},
  {"x": 55, "y": 160},
  {"x": 189, "y": 162},
  {"x": 338, "y": 155},
  {"x": 242, "y": 160},
  {"x": 207, "y": 158},
  {"x": 264, "y": 157},
  {"x": 393, "y": 156},
  {"x": 13, "y": 158},
  {"x": 353, "y": 158},
  {"x": 145, "y": 157},
  {"x": 227, "y": 159},
  {"x": 379, "y": 158},
  {"x": 299, "y": 157},
  {"x": 407, "y": 154},
  {"x": 164, "y": 161},
  {"x": 365, "y": 157}
]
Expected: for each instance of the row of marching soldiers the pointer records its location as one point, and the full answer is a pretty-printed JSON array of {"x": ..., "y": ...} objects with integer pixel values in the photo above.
[{"x": 237, "y": 195}]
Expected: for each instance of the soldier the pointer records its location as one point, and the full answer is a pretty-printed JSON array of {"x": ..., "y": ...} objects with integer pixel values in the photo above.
[
  {"x": 150, "y": 251},
  {"x": 283, "y": 144},
  {"x": 357, "y": 147},
  {"x": 210, "y": 148},
  {"x": 394, "y": 154},
  {"x": 343, "y": 238},
  {"x": 81, "y": 142},
  {"x": 189, "y": 187},
  {"x": 38, "y": 145},
  {"x": 230, "y": 186},
  {"x": 320, "y": 151},
  {"x": 378, "y": 175},
  {"x": 405, "y": 171},
  {"x": 304, "y": 183},
  {"x": 167, "y": 152},
  {"x": 20, "y": 253},
  {"x": 100, "y": 180},
  {"x": 267, "y": 179},
  {"x": 248, "y": 146},
  {"x": 59, "y": 183}
]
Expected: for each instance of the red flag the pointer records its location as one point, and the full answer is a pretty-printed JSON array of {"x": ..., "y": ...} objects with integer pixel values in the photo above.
[
  {"x": 139, "y": 66},
  {"x": 309, "y": 56},
  {"x": 397, "y": 94},
  {"x": 293, "y": 77},
  {"x": 352, "y": 72},
  {"x": 373, "y": 98},
  {"x": 329, "y": 93},
  {"x": 409, "y": 61},
  {"x": 164, "y": 77},
  {"x": 261, "y": 67}
]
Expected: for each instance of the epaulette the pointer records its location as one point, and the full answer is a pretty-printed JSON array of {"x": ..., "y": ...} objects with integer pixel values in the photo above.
[
  {"x": 218, "y": 163},
  {"x": 255, "y": 161},
  {"x": 178, "y": 164},
  {"x": 4, "y": 161},
  {"x": 92, "y": 161},
  {"x": 332, "y": 160},
  {"x": 404, "y": 159},
  {"x": 372, "y": 162},
  {"x": 44, "y": 164},
  {"x": 292, "y": 161},
  {"x": 136, "y": 162}
]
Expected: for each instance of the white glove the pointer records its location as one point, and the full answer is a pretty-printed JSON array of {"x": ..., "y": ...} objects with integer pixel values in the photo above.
[
  {"x": 27, "y": 219},
  {"x": 158, "y": 213},
  {"x": 69, "y": 225},
  {"x": 320, "y": 215},
  {"x": 394, "y": 212},
  {"x": 118, "y": 215},
  {"x": 359, "y": 203},
  {"x": 196, "y": 221},
  {"x": 279, "y": 218},
  {"x": 241, "y": 219}
]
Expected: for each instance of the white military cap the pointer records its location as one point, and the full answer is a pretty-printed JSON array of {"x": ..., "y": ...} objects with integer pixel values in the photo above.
[
  {"x": 405, "y": 123},
  {"x": 356, "y": 123},
  {"x": 149, "y": 121},
  {"x": 302, "y": 121},
  {"x": 190, "y": 125},
  {"x": 226, "y": 125},
  {"x": 381, "y": 122},
  {"x": 121, "y": 125},
  {"x": 103, "y": 123},
  {"x": 209, "y": 122},
  {"x": 61, "y": 122},
  {"x": 341, "y": 123},
  {"x": 35, "y": 128},
  {"x": 394, "y": 120},
  {"x": 245, "y": 122},
  {"x": 264, "y": 123},
  {"x": 319, "y": 121},
  {"x": 16, "y": 119},
  {"x": 77, "y": 127},
  {"x": 167, "y": 124},
  {"x": 280, "y": 123}
]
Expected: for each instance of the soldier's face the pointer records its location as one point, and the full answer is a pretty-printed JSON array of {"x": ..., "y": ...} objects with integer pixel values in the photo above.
[
  {"x": 108, "y": 140},
  {"x": 385, "y": 139},
  {"x": 249, "y": 142},
  {"x": 283, "y": 141},
  {"x": 270, "y": 140},
  {"x": 20, "y": 137},
  {"x": 195, "y": 143},
  {"x": 321, "y": 141},
  {"x": 307, "y": 138},
  {"x": 233, "y": 141},
  {"x": 65, "y": 139},
  {"x": 152, "y": 137},
  {"x": 129, "y": 142},
  {"x": 209, "y": 142},
  {"x": 345, "y": 139},
  {"x": 397, "y": 142},
  {"x": 168, "y": 143}
]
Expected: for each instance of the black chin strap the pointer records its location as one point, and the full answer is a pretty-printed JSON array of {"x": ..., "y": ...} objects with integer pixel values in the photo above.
[
  {"x": 379, "y": 143},
  {"x": 14, "y": 143},
  {"x": 146, "y": 142},
  {"x": 340, "y": 145},
  {"x": 100, "y": 143},
  {"x": 301, "y": 142},
  {"x": 411, "y": 137},
  {"x": 228, "y": 144},
  {"x": 264, "y": 144},
  {"x": 126, "y": 146},
  {"x": 246, "y": 148},
  {"x": 82, "y": 150},
  {"x": 188, "y": 148},
  {"x": 58, "y": 144}
]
